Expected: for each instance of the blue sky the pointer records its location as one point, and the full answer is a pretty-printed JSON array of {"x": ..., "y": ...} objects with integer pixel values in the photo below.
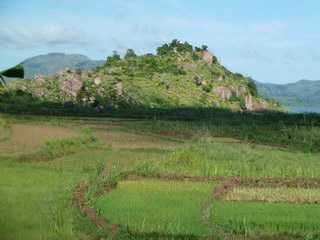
[{"x": 270, "y": 40}]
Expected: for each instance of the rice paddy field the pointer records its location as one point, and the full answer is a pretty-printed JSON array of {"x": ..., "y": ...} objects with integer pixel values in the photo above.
[{"x": 112, "y": 178}]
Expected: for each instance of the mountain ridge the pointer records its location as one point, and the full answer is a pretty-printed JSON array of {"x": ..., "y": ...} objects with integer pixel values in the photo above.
[
  {"x": 303, "y": 93},
  {"x": 51, "y": 63}
]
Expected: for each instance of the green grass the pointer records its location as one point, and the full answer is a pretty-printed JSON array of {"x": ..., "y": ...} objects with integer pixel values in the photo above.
[
  {"x": 149, "y": 206},
  {"x": 34, "y": 203},
  {"x": 209, "y": 157},
  {"x": 35, "y": 196},
  {"x": 157, "y": 206},
  {"x": 263, "y": 218}
]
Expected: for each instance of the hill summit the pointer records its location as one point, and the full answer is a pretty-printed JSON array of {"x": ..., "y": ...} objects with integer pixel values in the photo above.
[{"x": 178, "y": 75}]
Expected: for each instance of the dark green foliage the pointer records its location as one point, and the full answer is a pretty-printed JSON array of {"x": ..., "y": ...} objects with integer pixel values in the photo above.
[
  {"x": 111, "y": 60},
  {"x": 252, "y": 87},
  {"x": 130, "y": 54},
  {"x": 208, "y": 88},
  {"x": 204, "y": 47},
  {"x": 195, "y": 57},
  {"x": 175, "y": 45},
  {"x": 15, "y": 72},
  {"x": 242, "y": 103}
]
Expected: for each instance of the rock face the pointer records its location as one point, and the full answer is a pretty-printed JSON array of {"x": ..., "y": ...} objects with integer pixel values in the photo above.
[
  {"x": 254, "y": 105},
  {"x": 249, "y": 102},
  {"x": 39, "y": 85},
  {"x": 71, "y": 83},
  {"x": 224, "y": 93},
  {"x": 208, "y": 57}
]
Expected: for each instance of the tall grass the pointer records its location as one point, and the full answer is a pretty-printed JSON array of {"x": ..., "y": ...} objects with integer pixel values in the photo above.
[
  {"x": 210, "y": 158},
  {"x": 251, "y": 219},
  {"x": 296, "y": 133}
]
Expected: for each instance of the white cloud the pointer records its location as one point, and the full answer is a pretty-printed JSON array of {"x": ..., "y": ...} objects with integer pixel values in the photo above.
[{"x": 45, "y": 35}]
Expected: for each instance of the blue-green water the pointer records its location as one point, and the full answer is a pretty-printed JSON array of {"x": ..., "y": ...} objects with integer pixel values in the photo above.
[{"x": 305, "y": 109}]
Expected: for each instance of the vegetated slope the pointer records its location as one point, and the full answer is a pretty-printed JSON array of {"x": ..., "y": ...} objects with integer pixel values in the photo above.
[
  {"x": 179, "y": 75},
  {"x": 303, "y": 93},
  {"x": 52, "y": 63}
]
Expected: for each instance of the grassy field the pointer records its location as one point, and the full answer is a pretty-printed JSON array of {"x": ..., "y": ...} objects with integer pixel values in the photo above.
[
  {"x": 187, "y": 208},
  {"x": 43, "y": 159},
  {"x": 158, "y": 206},
  {"x": 251, "y": 219}
]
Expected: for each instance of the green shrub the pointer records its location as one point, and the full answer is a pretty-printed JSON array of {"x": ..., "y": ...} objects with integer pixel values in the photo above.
[{"x": 252, "y": 87}]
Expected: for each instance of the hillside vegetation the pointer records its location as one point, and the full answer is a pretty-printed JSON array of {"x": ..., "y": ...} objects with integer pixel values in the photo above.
[{"x": 178, "y": 76}]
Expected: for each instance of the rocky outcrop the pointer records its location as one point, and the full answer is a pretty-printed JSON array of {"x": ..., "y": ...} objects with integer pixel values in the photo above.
[
  {"x": 249, "y": 102},
  {"x": 71, "y": 83},
  {"x": 39, "y": 82},
  {"x": 199, "y": 81},
  {"x": 254, "y": 105},
  {"x": 224, "y": 93},
  {"x": 208, "y": 57}
]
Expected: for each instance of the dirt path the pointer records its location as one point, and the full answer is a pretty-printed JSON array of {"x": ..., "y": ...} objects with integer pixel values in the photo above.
[{"x": 80, "y": 202}]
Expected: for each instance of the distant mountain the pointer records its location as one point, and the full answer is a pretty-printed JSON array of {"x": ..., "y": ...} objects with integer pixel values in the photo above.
[
  {"x": 50, "y": 64},
  {"x": 304, "y": 93}
]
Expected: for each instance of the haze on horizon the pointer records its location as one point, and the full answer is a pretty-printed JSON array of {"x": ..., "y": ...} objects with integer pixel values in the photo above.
[{"x": 271, "y": 41}]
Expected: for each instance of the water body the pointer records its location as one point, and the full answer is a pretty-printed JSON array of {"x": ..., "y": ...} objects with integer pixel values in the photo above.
[{"x": 305, "y": 109}]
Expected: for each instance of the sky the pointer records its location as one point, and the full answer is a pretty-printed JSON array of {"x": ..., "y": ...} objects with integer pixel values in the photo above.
[{"x": 273, "y": 41}]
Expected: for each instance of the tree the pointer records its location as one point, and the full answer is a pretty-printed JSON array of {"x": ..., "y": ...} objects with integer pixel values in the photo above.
[
  {"x": 113, "y": 59},
  {"x": 15, "y": 72},
  {"x": 130, "y": 54},
  {"x": 204, "y": 47},
  {"x": 252, "y": 87}
]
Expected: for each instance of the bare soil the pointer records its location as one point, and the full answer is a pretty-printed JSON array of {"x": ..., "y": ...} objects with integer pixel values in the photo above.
[
  {"x": 29, "y": 136},
  {"x": 132, "y": 140},
  {"x": 80, "y": 202}
]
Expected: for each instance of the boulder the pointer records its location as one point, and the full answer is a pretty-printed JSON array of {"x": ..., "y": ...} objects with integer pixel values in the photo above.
[{"x": 199, "y": 81}]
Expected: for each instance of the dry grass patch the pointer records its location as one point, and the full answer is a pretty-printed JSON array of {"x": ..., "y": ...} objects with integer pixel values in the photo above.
[
  {"x": 121, "y": 139},
  {"x": 30, "y": 136},
  {"x": 274, "y": 195}
]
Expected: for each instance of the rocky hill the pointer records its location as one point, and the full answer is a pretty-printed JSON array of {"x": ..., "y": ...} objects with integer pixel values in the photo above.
[
  {"x": 304, "y": 93},
  {"x": 52, "y": 63},
  {"x": 179, "y": 75}
]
